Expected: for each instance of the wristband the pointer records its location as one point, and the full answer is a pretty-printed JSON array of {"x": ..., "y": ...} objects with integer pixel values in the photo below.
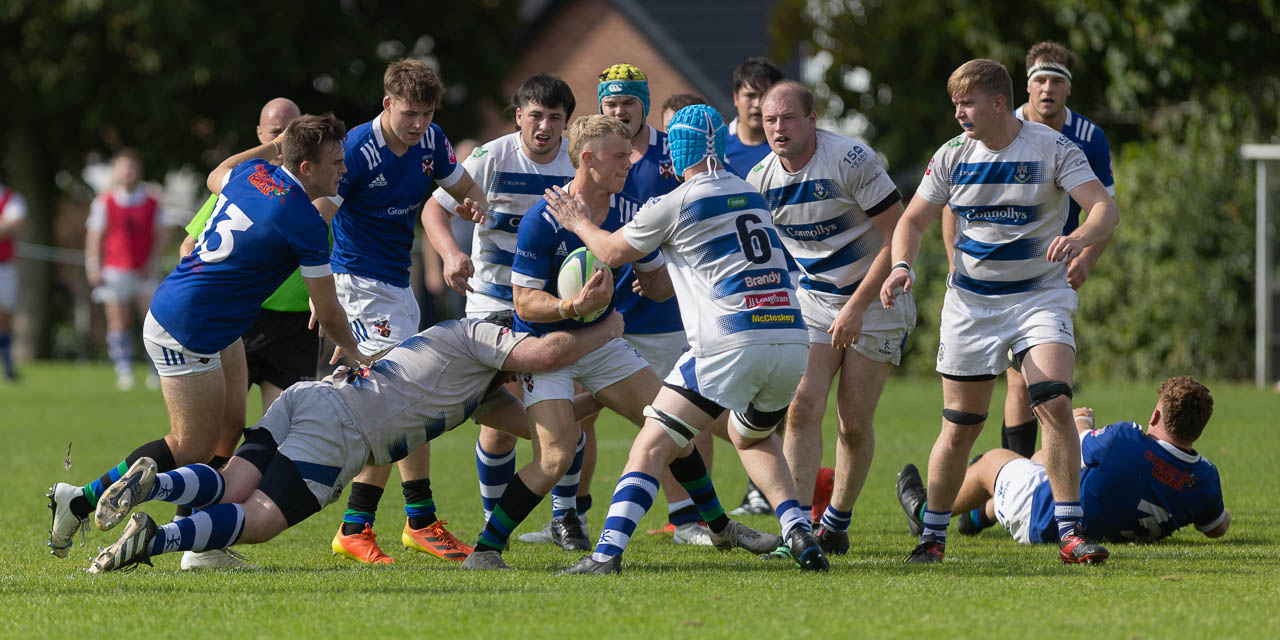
[
  {"x": 560, "y": 308},
  {"x": 902, "y": 264},
  {"x": 574, "y": 308}
]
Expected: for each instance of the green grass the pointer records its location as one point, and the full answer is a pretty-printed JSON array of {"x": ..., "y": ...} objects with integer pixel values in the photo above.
[{"x": 1187, "y": 585}]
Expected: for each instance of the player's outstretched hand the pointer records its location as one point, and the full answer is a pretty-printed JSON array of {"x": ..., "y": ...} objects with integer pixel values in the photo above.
[
  {"x": 1078, "y": 271},
  {"x": 615, "y": 324},
  {"x": 1064, "y": 249},
  {"x": 339, "y": 353},
  {"x": 596, "y": 294},
  {"x": 568, "y": 210},
  {"x": 898, "y": 282},
  {"x": 847, "y": 327},
  {"x": 471, "y": 210},
  {"x": 457, "y": 269}
]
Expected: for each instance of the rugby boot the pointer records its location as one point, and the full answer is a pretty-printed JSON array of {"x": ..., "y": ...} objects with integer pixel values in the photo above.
[
  {"x": 929, "y": 551},
  {"x": 133, "y": 547},
  {"x": 806, "y": 551},
  {"x": 484, "y": 560},
  {"x": 911, "y": 495},
  {"x": 361, "y": 547},
  {"x": 124, "y": 494},
  {"x": 741, "y": 536},
  {"x": 753, "y": 503},
  {"x": 1077, "y": 549},
  {"x": 694, "y": 533},
  {"x": 435, "y": 540},
  {"x": 832, "y": 541},
  {"x": 588, "y": 565},
  {"x": 215, "y": 559},
  {"x": 65, "y": 524},
  {"x": 569, "y": 533}
]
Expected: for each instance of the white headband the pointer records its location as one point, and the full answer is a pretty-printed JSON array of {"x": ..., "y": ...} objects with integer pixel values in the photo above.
[{"x": 1049, "y": 68}]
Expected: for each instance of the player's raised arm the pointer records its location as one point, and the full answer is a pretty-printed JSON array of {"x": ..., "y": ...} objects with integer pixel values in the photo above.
[
  {"x": 267, "y": 151},
  {"x": 571, "y": 212},
  {"x": 906, "y": 246},
  {"x": 560, "y": 349}
]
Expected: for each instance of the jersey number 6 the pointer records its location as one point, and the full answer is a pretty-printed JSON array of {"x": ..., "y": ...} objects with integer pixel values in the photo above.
[
  {"x": 754, "y": 241},
  {"x": 235, "y": 220}
]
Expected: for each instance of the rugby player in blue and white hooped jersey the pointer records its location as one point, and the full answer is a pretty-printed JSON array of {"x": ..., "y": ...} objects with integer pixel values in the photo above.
[
  {"x": 615, "y": 374},
  {"x": 1133, "y": 486},
  {"x": 653, "y": 328},
  {"x": 263, "y": 228},
  {"x": 835, "y": 209},
  {"x": 513, "y": 170},
  {"x": 747, "y": 337},
  {"x": 392, "y": 163},
  {"x": 1008, "y": 182}
]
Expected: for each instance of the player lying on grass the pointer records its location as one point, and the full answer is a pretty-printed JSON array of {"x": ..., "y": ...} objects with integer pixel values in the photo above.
[
  {"x": 1134, "y": 486},
  {"x": 318, "y": 436}
]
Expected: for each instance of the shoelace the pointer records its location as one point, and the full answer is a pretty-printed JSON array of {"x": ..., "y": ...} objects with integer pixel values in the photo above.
[{"x": 236, "y": 555}]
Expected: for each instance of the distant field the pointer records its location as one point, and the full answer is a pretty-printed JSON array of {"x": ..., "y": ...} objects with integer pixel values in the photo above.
[{"x": 989, "y": 586}]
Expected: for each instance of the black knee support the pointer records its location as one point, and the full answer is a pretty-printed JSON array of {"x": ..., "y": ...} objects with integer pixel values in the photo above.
[
  {"x": 1042, "y": 392},
  {"x": 764, "y": 419},
  {"x": 963, "y": 418},
  {"x": 259, "y": 448}
]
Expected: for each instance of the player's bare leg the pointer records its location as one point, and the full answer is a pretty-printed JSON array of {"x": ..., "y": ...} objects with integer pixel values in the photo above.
[
  {"x": 980, "y": 480},
  {"x": 197, "y": 408},
  {"x": 803, "y": 443}
]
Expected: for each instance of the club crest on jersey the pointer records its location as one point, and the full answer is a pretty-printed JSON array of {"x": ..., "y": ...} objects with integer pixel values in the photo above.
[
  {"x": 263, "y": 181},
  {"x": 820, "y": 190},
  {"x": 665, "y": 170},
  {"x": 1021, "y": 173},
  {"x": 383, "y": 327},
  {"x": 428, "y": 164}
]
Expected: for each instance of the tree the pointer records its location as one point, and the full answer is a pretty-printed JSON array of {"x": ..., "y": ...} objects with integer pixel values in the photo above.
[{"x": 183, "y": 82}]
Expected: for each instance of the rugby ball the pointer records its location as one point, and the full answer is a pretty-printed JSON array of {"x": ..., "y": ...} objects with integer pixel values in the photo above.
[{"x": 577, "y": 268}]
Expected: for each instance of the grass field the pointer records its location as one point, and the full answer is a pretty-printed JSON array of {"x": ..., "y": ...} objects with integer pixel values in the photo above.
[{"x": 989, "y": 586}]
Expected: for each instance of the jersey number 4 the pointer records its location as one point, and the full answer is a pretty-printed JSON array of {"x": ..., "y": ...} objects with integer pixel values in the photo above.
[
  {"x": 229, "y": 218},
  {"x": 754, "y": 240}
]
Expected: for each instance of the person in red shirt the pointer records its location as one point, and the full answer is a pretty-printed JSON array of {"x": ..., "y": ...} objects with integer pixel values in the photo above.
[
  {"x": 12, "y": 211},
  {"x": 119, "y": 250}
]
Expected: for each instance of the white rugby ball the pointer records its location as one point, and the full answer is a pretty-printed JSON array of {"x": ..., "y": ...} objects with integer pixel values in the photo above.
[{"x": 577, "y": 268}]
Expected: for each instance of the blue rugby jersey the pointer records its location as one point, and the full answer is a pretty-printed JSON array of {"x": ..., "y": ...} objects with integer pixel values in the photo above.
[
  {"x": 381, "y": 196},
  {"x": 743, "y": 157},
  {"x": 1135, "y": 487},
  {"x": 651, "y": 177},
  {"x": 541, "y": 247},
  {"x": 512, "y": 183},
  {"x": 262, "y": 228},
  {"x": 1093, "y": 141}
]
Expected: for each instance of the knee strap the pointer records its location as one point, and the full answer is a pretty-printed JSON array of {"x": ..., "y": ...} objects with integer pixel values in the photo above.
[
  {"x": 756, "y": 425},
  {"x": 963, "y": 418},
  {"x": 1042, "y": 392},
  {"x": 678, "y": 429}
]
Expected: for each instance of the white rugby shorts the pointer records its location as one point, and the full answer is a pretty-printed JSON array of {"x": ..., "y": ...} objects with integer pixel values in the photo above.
[
  {"x": 612, "y": 363},
  {"x": 1015, "y": 486},
  {"x": 761, "y": 375},
  {"x": 123, "y": 285},
  {"x": 977, "y": 340},
  {"x": 381, "y": 316},
  {"x": 170, "y": 357},
  {"x": 314, "y": 428},
  {"x": 8, "y": 286},
  {"x": 884, "y": 331},
  {"x": 660, "y": 350}
]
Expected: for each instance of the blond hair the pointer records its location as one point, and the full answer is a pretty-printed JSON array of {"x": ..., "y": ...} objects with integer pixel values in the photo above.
[
  {"x": 985, "y": 76},
  {"x": 588, "y": 129},
  {"x": 412, "y": 81}
]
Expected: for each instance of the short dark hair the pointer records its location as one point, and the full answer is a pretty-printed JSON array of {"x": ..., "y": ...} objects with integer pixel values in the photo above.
[
  {"x": 1187, "y": 407},
  {"x": 758, "y": 72},
  {"x": 307, "y": 135},
  {"x": 678, "y": 101},
  {"x": 413, "y": 82},
  {"x": 1050, "y": 52},
  {"x": 547, "y": 90},
  {"x": 796, "y": 89}
]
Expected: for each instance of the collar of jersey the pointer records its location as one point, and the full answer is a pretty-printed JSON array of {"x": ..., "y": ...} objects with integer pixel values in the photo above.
[{"x": 1178, "y": 453}]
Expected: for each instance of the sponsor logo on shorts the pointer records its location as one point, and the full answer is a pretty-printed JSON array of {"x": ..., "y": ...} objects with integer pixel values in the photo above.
[
  {"x": 1063, "y": 328},
  {"x": 773, "y": 277},
  {"x": 204, "y": 360},
  {"x": 887, "y": 349},
  {"x": 383, "y": 327},
  {"x": 262, "y": 180},
  {"x": 527, "y": 379},
  {"x": 775, "y": 299},
  {"x": 942, "y": 351}
]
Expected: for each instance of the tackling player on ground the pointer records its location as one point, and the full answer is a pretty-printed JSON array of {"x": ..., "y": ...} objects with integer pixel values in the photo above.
[
  {"x": 835, "y": 209},
  {"x": 748, "y": 342},
  {"x": 1008, "y": 181}
]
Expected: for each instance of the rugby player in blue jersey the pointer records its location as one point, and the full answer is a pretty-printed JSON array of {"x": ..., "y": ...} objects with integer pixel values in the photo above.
[
  {"x": 264, "y": 227},
  {"x": 393, "y": 161},
  {"x": 1049, "y": 66},
  {"x": 1133, "y": 487},
  {"x": 746, "y": 145}
]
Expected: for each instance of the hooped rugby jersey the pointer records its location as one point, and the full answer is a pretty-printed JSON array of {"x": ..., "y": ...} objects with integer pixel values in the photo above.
[
  {"x": 1010, "y": 205},
  {"x": 1135, "y": 487},
  {"x": 541, "y": 247},
  {"x": 823, "y": 212},
  {"x": 726, "y": 261},
  {"x": 1093, "y": 141},
  {"x": 263, "y": 227},
  {"x": 512, "y": 184},
  {"x": 652, "y": 176},
  {"x": 426, "y": 385},
  {"x": 380, "y": 198}
]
